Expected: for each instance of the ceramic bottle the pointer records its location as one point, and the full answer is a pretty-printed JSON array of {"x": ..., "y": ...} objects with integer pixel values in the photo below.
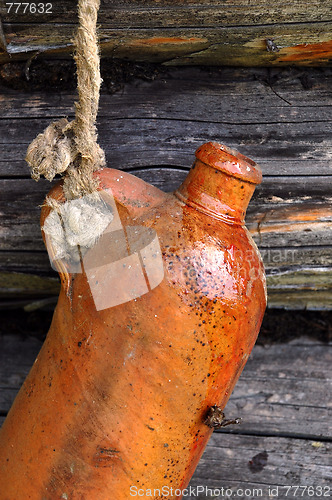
[{"x": 152, "y": 328}]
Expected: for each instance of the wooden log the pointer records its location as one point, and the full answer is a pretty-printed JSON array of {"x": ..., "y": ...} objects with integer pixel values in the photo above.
[
  {"x": 27, "y": 285},
  {"x": 177, "y": 13},
  {"x": 293, "y": 298},
  {"x": 238, "y": 46},
  {"x": 181, "y": 32}
]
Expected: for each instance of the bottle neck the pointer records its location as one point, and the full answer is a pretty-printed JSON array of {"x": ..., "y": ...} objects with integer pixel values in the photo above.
[{"x": 217, "y": 193}]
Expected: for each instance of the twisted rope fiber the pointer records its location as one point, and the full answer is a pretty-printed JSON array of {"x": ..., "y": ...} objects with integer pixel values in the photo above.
[{"x": 71, "y": 148}]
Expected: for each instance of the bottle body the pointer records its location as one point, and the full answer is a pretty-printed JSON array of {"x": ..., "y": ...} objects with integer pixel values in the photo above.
[{"x": 116, "y": 400}]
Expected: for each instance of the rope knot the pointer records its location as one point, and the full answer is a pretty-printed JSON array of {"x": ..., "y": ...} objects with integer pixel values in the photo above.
[
  {"x": 51, "y": 152},
  {"x": 71, "y": 148}
]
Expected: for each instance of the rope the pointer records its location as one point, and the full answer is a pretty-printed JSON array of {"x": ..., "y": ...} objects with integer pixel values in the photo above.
[{"x": 71, "y": 148}]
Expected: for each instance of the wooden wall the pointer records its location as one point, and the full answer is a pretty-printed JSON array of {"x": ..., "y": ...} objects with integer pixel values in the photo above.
[{"x": 152, "y": 125}]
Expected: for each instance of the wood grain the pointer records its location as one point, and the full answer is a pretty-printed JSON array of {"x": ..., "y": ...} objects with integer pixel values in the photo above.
[
  {"x": 22, "y": 285},
  {"x": 227, "y": 461},
  {"x": 183, "y": 32},
  {"x": 144, "y": 13},
  {"x": 163, "y": 121}
]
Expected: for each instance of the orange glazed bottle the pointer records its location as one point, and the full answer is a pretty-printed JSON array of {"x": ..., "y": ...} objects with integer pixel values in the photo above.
[{"x": 153, "y": 327}]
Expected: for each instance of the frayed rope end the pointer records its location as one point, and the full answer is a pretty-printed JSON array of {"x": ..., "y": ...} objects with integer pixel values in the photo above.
[{"x": 75, "y": 226}]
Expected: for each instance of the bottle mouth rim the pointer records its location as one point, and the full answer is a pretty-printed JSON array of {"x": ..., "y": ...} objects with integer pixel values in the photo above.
[{"x": 230, "y": 161}]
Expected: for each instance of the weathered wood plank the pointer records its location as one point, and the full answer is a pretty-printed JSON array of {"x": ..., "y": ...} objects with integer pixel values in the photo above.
[
  {"x": 27, "y": 285},
  {"x": 306, "y": 288},
  {"x": 17, "y": 354},
  {"x": 229, "y": 462},
  {"x": 171, "y": 13},
  {"x": 233, "y": 95},
  {"x": 302, "y": 279},
  {"x": 38, "y": 262},
  {"x": 148, "y": 100},
  {"x": 276, "y": 390},
  {"x": 21, "y": 353},
  {"x": 297, "y": 43},
  {"x": 139, "y": 142},
  {"x": 283, "y": 390},
  {"x": 293, "y": 299}
]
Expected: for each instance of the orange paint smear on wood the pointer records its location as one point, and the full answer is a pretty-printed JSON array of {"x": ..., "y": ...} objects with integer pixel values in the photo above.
[
  {"x": 294, "y": 219},
  {"x": 311, "y": 215},
  {"x": 293, "y": 213},
  {"x": 288, "y": 228},
  {"x": 319, "y": 52}
]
